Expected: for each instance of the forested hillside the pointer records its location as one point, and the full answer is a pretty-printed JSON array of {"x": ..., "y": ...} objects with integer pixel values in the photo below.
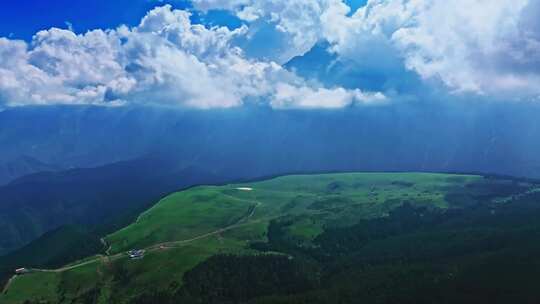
[{"x": 371, "y": 237}]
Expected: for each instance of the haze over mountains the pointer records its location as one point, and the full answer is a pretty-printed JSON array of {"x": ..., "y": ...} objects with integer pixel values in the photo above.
[
  {"x": 167, "y": 150},
  {"x": 259, "y": 141}
]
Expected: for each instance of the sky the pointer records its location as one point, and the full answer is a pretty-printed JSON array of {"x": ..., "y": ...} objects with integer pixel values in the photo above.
[
  {"x": 208, "y": 54},
  {"x": 24, "y": 18}
]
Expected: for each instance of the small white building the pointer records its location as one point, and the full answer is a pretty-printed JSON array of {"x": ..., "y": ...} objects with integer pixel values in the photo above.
[
  {"x": 244, "y": 189},
  {"x": 21, "y": 271}
]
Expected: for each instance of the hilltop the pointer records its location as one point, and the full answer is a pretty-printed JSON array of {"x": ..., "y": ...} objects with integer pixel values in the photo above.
[{"x": 312, "y": 238}]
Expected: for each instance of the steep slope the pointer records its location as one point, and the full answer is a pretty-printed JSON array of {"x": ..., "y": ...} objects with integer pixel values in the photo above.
[
  {"x": 299, "y": 239},
  {"x": 54, "y": 249},
  {"x": 107, "y": 196}
]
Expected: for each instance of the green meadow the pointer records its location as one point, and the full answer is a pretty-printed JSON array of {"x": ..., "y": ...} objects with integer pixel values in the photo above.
[{"x": 186, "y": 228}]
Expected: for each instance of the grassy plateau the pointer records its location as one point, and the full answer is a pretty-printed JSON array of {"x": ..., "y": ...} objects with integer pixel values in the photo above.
[{"x": 322, "y": 225}]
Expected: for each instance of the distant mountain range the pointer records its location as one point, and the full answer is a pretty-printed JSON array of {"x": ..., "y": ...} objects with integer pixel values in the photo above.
[
  {"x": 405, "y": 136},
  {"x": 126, "y": 159}
]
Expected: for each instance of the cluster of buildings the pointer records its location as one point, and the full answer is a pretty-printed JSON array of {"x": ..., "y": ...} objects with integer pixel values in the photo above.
[{"x": 136, "y": 254}]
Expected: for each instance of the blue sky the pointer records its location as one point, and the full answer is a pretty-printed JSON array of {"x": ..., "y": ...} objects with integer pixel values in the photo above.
[
  {"x": 23, "y": 18},
  {"x": 228, "y": 53}
]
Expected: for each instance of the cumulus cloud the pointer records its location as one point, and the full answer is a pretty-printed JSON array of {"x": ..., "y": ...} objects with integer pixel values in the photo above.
[
  {"x": 486, "y": 47},
  {"x": 298, "y": 21},
  {"x": 481, "y": 46},
  {"x": 166, "y": 59},
  {"x": 477, "y": 46},
  {"x": 289, "y": 96},
  {"x": 60, "y": 68}
]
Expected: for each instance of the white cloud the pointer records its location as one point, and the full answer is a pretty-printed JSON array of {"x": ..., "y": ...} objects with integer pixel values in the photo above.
[
  {"x": 481, "y": 46},
  {"x": 297, "y": 21},
  {"x": 59, "y": 69},
  {"x": 290, "y": 96},
  {"x": 465, "y": 43},
  {"x": 166, "y": 60}
]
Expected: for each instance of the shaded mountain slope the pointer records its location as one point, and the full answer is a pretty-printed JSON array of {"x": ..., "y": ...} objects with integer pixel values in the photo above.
[
  {"x": 54, "y": 249},
  {"x": 106, "y": 196},
  {"x": 425, "y": 135},
  {"x": 11, "y": 169}
]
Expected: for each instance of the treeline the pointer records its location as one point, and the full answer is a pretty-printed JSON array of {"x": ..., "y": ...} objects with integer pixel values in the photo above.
[
  {"x": 234, "y": 279},
  {"x": 481, "y": 254}
]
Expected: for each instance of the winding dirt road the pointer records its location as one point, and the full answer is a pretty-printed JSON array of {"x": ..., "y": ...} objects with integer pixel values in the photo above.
[
  {"x": 161, "y": 246},
  {"x": 6, "y": 287}
]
